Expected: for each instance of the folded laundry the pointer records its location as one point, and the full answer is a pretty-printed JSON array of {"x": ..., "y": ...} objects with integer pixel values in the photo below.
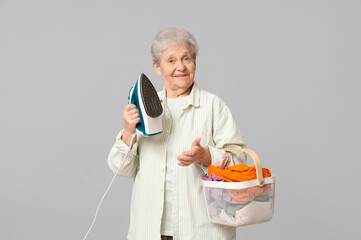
[
  {"x": 224, "y": 218},
  {"x": 213, "y": 196},
  {"x": 229, "y": 199},
  {"x": 262, "y": 198},
  {"x": 248, "y": 194},
  {"x": 237, "y": 173},
  {"x": 214, "y": 208},
  {"x": 240, "y": 204},
  {"x": 240, "y": 173},
  {"x": 231, "y": 209},
  {"x": 213, "y": 177},
  {"x": 215, "y": 193},
  {"x": 254, "y": 212}
]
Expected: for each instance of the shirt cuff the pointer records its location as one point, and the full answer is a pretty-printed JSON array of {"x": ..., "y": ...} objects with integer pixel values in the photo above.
[
  {"x": 123, "y": 147},
  {"x": 219, "y": 158}
]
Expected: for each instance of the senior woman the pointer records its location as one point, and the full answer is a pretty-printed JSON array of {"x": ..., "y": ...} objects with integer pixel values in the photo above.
[{"x": 167, "y": 200}]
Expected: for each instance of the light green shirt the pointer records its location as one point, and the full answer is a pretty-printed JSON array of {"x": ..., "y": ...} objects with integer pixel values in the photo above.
[
  {"x": 205, "y": 115},
  {"x": 175, "y": 107}
]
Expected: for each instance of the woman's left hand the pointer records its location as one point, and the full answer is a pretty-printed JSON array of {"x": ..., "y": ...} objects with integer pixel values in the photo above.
[{"x": 196, "y": 154}]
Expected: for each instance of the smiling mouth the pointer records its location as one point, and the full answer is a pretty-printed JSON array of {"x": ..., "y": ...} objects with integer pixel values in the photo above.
[{"x": 180, "y": 75}]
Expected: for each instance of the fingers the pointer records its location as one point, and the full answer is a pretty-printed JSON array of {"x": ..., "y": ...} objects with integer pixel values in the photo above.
[
  {"x": 130, "y": 107},
  {"x": 196, "y": 142},
  {"x": 131, "y": 112},
  {"x": 182, "y": 164},
  {"x": 189, "y": 153},
  {"x": 134, "y": 121},
  {"x": 185, "y": 158},
  {"x": 189, "y": 157},
  {"x": 225, "y": 162},
  {"x": 131, "y": 117}
]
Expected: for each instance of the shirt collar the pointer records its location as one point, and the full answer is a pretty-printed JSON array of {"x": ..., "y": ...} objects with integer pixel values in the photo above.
[{"x": 193, "y": 96}]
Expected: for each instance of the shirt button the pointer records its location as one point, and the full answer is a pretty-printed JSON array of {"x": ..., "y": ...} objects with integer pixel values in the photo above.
[
  {"x": 168, "y": 116},
  {"x": 161, "y": 208},
  {"x": 166, "y": 131},
  {"x": 164, "y": 150},
  {"x": 162, "y": 169},
  {"x": 161, "y": 189}
]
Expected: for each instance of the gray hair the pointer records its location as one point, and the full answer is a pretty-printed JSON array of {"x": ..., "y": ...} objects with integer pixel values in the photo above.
[{"x": 172, "y": 36}]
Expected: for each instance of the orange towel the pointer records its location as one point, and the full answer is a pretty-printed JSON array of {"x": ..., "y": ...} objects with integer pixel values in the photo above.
[
  {"x": 241, "y": 173},
  {"x": 237, "y": 173}
]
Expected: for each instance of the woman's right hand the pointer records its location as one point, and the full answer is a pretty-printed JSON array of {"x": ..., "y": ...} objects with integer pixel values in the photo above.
[{"x": 131, "y": 119}]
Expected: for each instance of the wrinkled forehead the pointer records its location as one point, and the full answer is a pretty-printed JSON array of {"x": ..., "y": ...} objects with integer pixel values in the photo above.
[{"x": 177, "y": 50}]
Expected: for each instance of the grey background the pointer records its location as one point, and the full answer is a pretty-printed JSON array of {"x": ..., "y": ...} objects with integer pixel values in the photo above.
[{"x": 288, "y": 70}]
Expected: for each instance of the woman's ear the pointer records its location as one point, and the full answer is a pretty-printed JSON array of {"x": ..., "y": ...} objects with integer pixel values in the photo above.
[{"x": 157, "y": 69}]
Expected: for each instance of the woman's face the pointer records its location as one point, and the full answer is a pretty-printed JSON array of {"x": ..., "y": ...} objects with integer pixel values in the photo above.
[{"x": 177, "y": 67}]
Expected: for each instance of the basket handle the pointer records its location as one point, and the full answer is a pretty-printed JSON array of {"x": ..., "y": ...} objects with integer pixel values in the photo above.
[{"x": 257, "y": 162}]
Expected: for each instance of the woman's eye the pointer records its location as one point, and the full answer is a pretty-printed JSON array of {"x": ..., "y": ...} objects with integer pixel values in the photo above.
[{"x": 171, "y": 61}]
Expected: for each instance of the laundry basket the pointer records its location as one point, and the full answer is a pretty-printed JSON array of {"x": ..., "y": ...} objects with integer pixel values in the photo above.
[{"x": 241, "y": 203}]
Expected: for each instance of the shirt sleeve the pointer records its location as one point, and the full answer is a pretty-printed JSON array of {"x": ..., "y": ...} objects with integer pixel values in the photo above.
[
  {"x": 225, "y": 135},
  {"x": 116, "y": 157}
]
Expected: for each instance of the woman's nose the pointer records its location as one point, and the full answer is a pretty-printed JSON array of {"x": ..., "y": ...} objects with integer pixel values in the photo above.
[{"x": 180, "y": 66}]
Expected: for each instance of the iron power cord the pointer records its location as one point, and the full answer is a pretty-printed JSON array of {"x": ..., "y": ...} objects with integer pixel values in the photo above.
[{"x": 110, "y": 184}]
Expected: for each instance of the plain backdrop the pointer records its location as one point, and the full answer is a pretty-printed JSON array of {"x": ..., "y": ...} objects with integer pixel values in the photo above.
[{"x": 288, "y": 70}]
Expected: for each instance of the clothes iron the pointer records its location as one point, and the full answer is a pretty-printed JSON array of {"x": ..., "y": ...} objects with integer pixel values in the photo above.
[{"x": 145, "y": 97}]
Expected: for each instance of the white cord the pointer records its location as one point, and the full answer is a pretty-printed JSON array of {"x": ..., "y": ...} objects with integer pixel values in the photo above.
[{"x": 111, "y": 182}]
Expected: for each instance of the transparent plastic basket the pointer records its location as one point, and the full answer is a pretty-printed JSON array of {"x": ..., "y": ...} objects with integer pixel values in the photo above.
[{"x": 241, "y": 203}]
